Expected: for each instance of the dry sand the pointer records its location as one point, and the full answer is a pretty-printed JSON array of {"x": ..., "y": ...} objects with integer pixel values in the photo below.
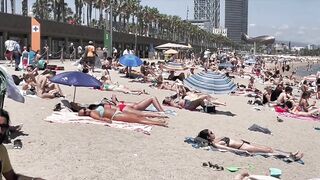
[{"x": 80, "y": 151}]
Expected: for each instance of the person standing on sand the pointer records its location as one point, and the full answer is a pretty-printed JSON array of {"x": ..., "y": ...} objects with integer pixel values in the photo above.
[
  {"x": 17, "y": 55},
  {"x": 6, "y": 169},
  {"x": 90, "y": 55}
]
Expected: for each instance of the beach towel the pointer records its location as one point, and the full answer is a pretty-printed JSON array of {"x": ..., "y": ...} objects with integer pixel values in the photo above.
[
  {"x": 71, "y": 117},
  {"x": 258, "y": 128},
  {"x": 166, "y": 112},
  {"x": 294, "y": 116},
  {"x": 200, "y": 143}
]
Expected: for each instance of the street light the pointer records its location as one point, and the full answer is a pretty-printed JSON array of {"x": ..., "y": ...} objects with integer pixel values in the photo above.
[
  {"x": 135, "y": 42},
  {"x": 110, "y": 28}
]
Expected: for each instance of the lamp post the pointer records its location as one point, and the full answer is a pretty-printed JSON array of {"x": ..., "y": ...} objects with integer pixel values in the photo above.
[
  {"x": 135, "y": 42},
  {"x": 110, "y": 28}
]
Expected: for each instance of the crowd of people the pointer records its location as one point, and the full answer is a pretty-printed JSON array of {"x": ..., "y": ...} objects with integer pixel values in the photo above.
[{"x": 280, "y": 92}]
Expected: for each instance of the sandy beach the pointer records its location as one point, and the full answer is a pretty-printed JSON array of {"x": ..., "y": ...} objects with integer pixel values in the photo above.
[{"x": 86, "y": 151}]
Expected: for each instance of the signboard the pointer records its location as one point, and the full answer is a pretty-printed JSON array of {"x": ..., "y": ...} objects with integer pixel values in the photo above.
[
  {"x": 35, "y": 34},
  {"x": 107, "y": 40}
]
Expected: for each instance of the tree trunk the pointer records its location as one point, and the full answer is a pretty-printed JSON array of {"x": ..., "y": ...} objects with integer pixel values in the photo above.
[{"x": 63, "y": 11}]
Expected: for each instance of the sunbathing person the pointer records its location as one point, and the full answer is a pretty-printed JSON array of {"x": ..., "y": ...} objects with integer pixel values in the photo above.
[
  {"x": 107, "y": 114},
  {"x": 142, "y": 105},
  {"x": 304, "y": 108},
  {"x": 108, "y": 85},
  {"x": 190, "y": 103},
  {"x": 242, "y": 146},
  {"x": 45, "y": 88}
]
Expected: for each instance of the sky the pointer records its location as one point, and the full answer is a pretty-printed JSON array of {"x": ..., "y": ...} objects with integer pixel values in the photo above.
[{"x": 289, "y": 20}]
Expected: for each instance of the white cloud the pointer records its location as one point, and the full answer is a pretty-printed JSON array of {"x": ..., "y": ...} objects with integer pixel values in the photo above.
[
  {"x": 301, "y": 32},
  {"x": 302, "y": 28},
  {"x": 278, "y": 33},
  {"x": 315, "y": 28},
  {"x": 252, "y": 25},
  {"x": 283, "y": 27}
]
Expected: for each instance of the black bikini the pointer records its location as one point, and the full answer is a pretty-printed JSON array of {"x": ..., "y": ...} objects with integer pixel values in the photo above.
[{"x": 227, "y": 141}]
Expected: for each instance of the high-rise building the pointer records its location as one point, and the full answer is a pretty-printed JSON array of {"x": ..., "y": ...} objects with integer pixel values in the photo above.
[
  {"x": 236, "y": 18},
  {"x": 207, "y": 11}
]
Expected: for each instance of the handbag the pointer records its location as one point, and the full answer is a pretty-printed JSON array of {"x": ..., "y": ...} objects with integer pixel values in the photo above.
[{"x": 209, "y": 109}]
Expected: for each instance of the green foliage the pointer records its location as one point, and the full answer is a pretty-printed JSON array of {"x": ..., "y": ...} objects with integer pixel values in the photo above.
[{"x": 145, "y": 21}]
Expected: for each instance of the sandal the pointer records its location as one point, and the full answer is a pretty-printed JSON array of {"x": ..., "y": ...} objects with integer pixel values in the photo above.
[
  {"x": 215, "y": 167},
  {"x": 17, "y": 144}
]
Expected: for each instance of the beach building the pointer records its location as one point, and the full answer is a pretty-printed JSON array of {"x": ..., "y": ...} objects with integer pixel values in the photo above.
[{"x": 236, "y": 18}]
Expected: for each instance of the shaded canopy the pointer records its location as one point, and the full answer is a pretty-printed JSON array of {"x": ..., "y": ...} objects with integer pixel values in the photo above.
[
  {"x": 172, "y": 45},
  {"x": 210, "y": 83},
  {"x": 171, "y": 51}
]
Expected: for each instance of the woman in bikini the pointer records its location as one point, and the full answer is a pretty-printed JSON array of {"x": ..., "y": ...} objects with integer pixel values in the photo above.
[
  {"x": 242, "y": 146},
  {"x": 189, "y": 102},
  {"x": 303, "y": 108},
  {"x": 108, "y": 114},
  {"x": 108, "y": 85}
]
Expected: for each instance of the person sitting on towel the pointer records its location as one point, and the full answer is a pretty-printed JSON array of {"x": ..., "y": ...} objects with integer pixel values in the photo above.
[
  {"x": 304, "y": 108},
  {"x": 45, "y": 88}
]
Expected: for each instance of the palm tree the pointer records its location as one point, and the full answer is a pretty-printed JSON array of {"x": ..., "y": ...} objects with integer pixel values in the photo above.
[
  {"x": 78, "y": 10},
  {"x": 42, "y": 9},
  {"x": 24, "y": 7},
  {"x": 13, "y": 6},
  {"x": 4, "y": 7}
]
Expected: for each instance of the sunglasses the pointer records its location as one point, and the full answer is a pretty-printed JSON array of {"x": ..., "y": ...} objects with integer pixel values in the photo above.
[{"x": 4, "y": 126}]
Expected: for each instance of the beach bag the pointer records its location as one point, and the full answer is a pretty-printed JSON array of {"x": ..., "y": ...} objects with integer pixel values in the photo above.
[
  {"x": 209, "y": 109},
  {"x": 42, "y": 65}
]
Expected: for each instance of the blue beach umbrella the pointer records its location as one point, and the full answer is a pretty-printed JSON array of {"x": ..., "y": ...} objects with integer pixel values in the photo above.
[
  {"x": 210, "y": 83},
  {"x": 76, "y": 79},
  {"x": 130, "y": 60}
]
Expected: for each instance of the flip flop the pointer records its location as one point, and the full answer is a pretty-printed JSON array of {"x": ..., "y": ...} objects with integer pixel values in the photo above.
[
  {"x": 215, "y": 167},
  {"x": 17, "y": 144},
  {"x": 275, "y": 172},
  {"x": 233, "y": 168}
]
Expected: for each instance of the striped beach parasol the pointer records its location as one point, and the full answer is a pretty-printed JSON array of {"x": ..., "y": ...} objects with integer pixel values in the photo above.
[
  {"x": 210, "y": 83},
  {"x": 173, "y": 66}
]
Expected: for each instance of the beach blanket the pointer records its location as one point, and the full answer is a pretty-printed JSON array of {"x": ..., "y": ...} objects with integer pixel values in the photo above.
[
  {"x": 71, "y": 117},
  {"x": 166, "y": 112},
  {"x": 294, "y": 116},
  {"x": 200, "y": 143}
]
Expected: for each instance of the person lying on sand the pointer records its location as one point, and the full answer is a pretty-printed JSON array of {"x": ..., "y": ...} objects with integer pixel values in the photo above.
[
  {"x": 45, "y": 88},
  {"x": 190, "y": 103},
  {"x": 229, "y": 144},
  {"x": 108, "y": 85},
  {"x": 141, "y": 105},
  {"x": 108, "y": 114},
  {"x": 137, "y": 108}
]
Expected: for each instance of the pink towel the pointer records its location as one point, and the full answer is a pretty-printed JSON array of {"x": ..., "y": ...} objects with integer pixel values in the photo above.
[
  {"x": 289, "y": 115},
  {"x": 71, "y": 117}
]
